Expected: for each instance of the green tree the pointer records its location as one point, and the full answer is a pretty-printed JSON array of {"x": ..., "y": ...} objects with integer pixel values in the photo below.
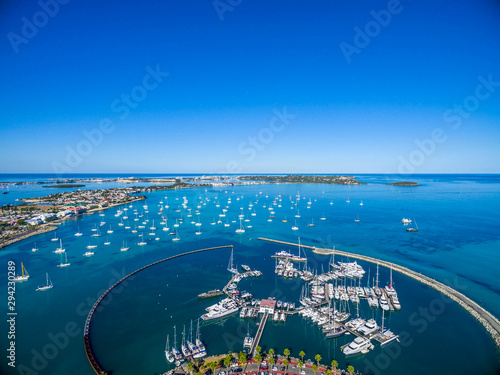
[
  {"x": 317, "y": 357},
  {"x": 334, "y": 365},
  {"x": 271, "y": 360},
  {"x": 350, "y": 370},
  {"x": 286, "y": 362},
  {"x": 258, "y": 357},
  {"x": 286, "y": 352},
  {"x": 212, "y": 366},
  {"x": 271, "y": 352},
  {"x": 300, "y": 364},
  {"x": 227, "y": 360},
  {"x": 302, "y": 354},
  {"x": 190, "y": 366},
  {"x": 242, "y": 358},
  {"x": 315, "y": 368},
  {"x": 258, "y": 349},
  {"x": 329, "y": 372}
]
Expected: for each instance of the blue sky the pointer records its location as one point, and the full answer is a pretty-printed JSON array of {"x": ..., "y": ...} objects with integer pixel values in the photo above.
[{"x": 233, "y": 72}]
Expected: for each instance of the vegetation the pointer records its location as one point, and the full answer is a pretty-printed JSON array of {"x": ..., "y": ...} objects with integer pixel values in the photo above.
[
  {"x": 286, "y": 352},
  {"x": 302, "y": 354},
  {"x": 64, "y": 186},
  {"x": 404, "y": 183},
  {"x": 343, "y": 180},
  {"x": 350, "y": 370},
  {"x": 315, "y": 368},
  {"x": 317, "y": 357},
  {"x": 334, "y": 365}
]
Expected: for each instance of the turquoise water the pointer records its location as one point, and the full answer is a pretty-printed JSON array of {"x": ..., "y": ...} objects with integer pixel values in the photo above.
[{"x": 458, "y": 243}]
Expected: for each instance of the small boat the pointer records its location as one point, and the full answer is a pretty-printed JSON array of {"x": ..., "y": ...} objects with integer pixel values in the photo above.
[
  {"x": 65, "y": 264},
  {"x": 24, "y": 274},
  {"x": 168, "y": 353},
  {"x": 124, "y": 247},
  {"x": 357, "y": 219},
  {"x": 413, "y": 229},
  {"x": 361, "y": 203},
  {"x": 55, "y": 238},
  {"x": 34, "y": 248},
  {"x": 60, "y": 249},
  {"x": 78, "y": 234},
  {"x": 88, "y": 253},
  {"x": 48, "y": 284}
]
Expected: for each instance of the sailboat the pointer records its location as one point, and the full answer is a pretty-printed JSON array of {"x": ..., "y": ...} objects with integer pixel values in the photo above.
[
  {"x": 168, "y": 353},
  {"x": 311, "y": 224},
  {"x": 413, "y": 229},
  {"x": 60, "y": 249},
  {"x": 124, "y": 247},
  {"x": 348, "y": 201},
  {"x": 357, "y": 219},
  {"x": 323, "y": 217},
  {"x": 240, "y": 229},
  {"x": 48, "y": 284},
  {"x": 65, "y": 264},
  {"x": 97, "y": 233},
  {"x": 107, "y": 241},
  {"x": 202, "y": 351},
  {"x": 24, "y": 274},
  {"x": 230, "y": 266},
  {"x": 295, "y": 227},
  {"x": 361, "y": 203},
  {"x": 34, "y": 248},
  {"x": 176, "y": 238},
  {"x": 142, "y": 243},
  {"x": 88, "y": 253},
  {"x": 78, "y": 234},
  {"x": 109, "y": 230},
  {"x": 55, "y": 238}
]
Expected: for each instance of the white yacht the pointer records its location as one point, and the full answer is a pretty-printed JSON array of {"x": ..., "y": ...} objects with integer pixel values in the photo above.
[
  {"x": 48, "y": 284},
  {"x": 358, "y": 345}
]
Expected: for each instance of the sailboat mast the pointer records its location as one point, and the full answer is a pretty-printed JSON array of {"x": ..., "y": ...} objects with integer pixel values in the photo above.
[{"x": 377, "y": 277}]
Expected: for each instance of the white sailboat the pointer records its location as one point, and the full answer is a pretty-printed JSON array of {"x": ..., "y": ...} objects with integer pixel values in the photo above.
[
  {"x": 124, "y": 247},
  {"x": 295, "y": 227},
  {"x": 78, "y": 234},
  {"x": 55, "y": 238},
  {"x": 65, "y": 263},
  {"x": 34, "y": 248},
  {"x": 24, "y": 274},
  {"x": 168, "y": 353},
  {"x": 240, "y": 229},
  {"x": 142, "y": 243},
  {"x": 48, "y": 284},
  {"x": 109, "y": 230},
  {"x": 230, "y": 266},
  {"x": 176, "y": 238},
  {"x": 60, "y": 249}
]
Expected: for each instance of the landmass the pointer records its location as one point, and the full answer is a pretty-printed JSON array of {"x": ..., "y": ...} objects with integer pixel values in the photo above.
[
  {"x": 297, "y": 178},
  {"x": 64, "y": 186},
  {"x": 404, "y": 183}
]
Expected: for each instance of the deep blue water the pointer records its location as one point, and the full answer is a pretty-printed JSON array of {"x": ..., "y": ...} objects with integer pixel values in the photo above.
[{"x": 458, "y": 242}]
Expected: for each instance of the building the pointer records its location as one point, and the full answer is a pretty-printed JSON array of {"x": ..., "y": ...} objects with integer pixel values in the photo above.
[{"x": 267, "y": 305}]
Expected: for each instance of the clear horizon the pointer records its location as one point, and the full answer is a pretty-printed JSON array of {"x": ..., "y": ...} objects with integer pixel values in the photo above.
[{"x": 386, "y": 87}]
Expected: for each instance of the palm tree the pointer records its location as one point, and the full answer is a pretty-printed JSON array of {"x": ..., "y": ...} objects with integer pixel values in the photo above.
[
  {"x": 227, "y": 360},
  {"x": 286, "y": 352},
  {"x": 302, "y": 354},
  {"x": 350, "y": 370},
  {"x": 314, "y": 368},
  {"x": 317, "y": 357},
  {"x": 328, "y": 372},
  {"x": 286, "y": 362},
  {"x": 258, "y": 357},
  {"x": 271, "y": 352},
  {"x": 271, "y": 361},
  {"x": 258, "y": 349},
  {"x": 334, "y": 365},
  {"x": 300, "y": 364},
  {"x": 242, "y": 358},
  {"x": 212, "y": 366},
  {"x": 190, "y": 366}
]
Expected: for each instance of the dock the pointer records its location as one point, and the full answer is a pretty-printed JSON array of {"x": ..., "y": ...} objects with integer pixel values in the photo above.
[
  {"x": 489, "y": 321},
  {"x": 258, "y": 335}
]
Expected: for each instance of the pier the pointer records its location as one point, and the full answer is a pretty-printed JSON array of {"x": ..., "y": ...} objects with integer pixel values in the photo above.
[
  {"x": 490, "y": 322},
  {"x": 86, "y": 333},
  {"x": 258, "y": 335}
]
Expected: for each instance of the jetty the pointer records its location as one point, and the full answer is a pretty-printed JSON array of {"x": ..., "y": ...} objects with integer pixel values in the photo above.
[
  {"x": 489, "y": 321},
  {"x": 258, "y": 335},
  {"x": 86, "y": 332}
]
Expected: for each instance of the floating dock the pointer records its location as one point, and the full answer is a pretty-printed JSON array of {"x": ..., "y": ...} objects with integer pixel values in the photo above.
[{"x": 258, "y": 335}]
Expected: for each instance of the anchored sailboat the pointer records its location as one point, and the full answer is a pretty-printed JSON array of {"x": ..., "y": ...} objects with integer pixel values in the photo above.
[
  {"x": 24, "y": 274},
  {"x": 48, "y": 284},
  {"x": 230, "y": 266}
]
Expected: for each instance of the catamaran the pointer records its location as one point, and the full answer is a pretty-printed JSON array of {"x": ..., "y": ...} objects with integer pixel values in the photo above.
[
  {"x": 24, "y": 274},
  {"x": 48, "y": 284}
]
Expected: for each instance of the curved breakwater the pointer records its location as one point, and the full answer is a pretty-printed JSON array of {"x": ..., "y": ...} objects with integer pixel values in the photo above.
[
  {"x": 490, "y": 322},
  {"x": 88, "y": 347}
]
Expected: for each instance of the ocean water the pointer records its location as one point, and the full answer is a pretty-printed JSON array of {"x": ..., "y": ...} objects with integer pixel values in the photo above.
[{"x": 457, "y": 243}]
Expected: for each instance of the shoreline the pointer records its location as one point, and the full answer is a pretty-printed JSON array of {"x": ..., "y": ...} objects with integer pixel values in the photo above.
[
  {"x": 483, "y": 316},
  {"x": 52, "y": 225}
]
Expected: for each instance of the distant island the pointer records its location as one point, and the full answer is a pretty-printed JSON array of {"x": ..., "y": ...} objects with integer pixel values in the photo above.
[
  {"x": 404, "y": 183},
  {"x": 297, "y": 178},
  {"x": 64, "y": 186}
]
